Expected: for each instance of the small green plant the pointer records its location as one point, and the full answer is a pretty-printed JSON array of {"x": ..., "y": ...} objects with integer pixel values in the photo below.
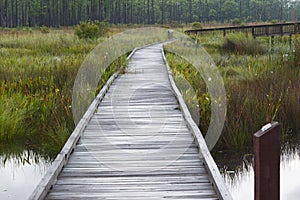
[
  {"x": 197, "y": 25},
  {"x": 274, "y": 21},
  {"x": 236, "y": 21},
  {"x": 45, "y": 29}
]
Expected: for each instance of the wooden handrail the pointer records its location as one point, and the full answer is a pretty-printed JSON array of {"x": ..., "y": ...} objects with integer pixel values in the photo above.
[{"x": 279, "y": 27}]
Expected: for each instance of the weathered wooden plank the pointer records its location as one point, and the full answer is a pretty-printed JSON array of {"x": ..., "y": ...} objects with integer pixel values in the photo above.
[{"x": 200, "y": 178}]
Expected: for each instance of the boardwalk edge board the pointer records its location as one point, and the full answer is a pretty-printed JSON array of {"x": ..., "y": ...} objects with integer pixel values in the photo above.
[
  {"x": 50, "y": 178},
  {"x": 211, "y": 166}
]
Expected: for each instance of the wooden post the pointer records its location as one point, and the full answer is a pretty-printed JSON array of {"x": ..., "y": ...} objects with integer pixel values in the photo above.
[
  {"x": 281, "y": 30},
  {"x": 253, "y": 33},
  {"x": 170, "y": 34},
  {"x": 272, "y": 43},
  {"x": 267, "y": 162}
]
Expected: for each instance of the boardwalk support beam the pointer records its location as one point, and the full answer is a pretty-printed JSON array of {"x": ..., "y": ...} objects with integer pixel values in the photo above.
[{"x": 267, "y": 162}]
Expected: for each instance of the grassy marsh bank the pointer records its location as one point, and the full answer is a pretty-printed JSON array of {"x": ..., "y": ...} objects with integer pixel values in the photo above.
[
  {"x": 262, "y": 84},
  {"x": 36, "y": 80}
]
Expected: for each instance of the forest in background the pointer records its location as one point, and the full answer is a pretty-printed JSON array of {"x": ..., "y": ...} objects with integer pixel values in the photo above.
[{"x": 56, "y": 13}]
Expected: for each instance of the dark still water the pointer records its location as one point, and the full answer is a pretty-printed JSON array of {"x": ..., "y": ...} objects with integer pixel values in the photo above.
[
  {"x": 237, "y": 169},
  {"x": 20, "y": 175}
]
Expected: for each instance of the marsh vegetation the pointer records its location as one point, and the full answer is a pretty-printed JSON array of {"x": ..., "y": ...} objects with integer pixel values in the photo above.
[{"x": 261, "y": 80}]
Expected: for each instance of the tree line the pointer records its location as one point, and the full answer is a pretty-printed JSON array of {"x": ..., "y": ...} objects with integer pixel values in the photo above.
[{"x": 16, "y": 13}]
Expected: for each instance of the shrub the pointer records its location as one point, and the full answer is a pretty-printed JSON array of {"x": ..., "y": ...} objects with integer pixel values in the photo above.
[
  {"x": 274, "y": 21},
  {"x": 236, "y": 21},
  {"x": 45, "y": 29},
  {"x": 243, "y": 45},
  {"x": 175, "y": 24},
  {"x": 103, "y": 27},
  {"x": 197, "y": 25},
  {"x": 91, "y": 29},
  {"x": 87, "y": 30}
]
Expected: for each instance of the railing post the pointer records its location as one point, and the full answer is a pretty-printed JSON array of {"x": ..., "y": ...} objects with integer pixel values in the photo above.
[
  {"x": 224, "y": 33},
  {"x": 170, "y": 34},
  {"x": 267, "y": 162},
  {"x": 272, "y": 43},
  {"x": 253, "y": 33}
]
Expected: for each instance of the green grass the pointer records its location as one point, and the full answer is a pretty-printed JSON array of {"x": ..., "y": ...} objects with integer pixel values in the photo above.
[
  {"x": 260, "y": 86},
  {"x": 242, "y": 44},
  {"x": 37, "y": 73}
]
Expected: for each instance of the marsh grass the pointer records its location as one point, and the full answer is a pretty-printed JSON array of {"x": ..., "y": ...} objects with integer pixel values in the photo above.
[
  {"x": 185, "y": 71},
  {"x": 260, "y": 87},
  {"x": 37, "y": 72},
  {"x": 240, "y": 43}
]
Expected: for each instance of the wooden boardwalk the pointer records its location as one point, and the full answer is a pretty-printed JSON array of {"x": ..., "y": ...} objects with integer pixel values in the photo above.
[
  {"x": 139, "y": 144},
  {"x": 278, "y": 29}
]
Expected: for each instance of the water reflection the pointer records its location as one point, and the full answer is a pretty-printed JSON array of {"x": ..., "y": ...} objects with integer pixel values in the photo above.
[
  {"x": 19, "y": 176},
  {"x": 240, "y": 177}
]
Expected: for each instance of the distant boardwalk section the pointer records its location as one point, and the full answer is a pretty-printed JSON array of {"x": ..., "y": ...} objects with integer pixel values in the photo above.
[{"x": 277, "y": 29}]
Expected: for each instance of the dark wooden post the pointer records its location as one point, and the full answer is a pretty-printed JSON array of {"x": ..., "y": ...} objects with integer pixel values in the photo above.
[
  {"x": 253, "y": 33},
  {"x": 272, "y": 43},
  {"x": 267, "y": 162}
]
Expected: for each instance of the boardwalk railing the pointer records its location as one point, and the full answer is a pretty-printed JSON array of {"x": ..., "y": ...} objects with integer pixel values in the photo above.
[{"x": 290, "y": 28}]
